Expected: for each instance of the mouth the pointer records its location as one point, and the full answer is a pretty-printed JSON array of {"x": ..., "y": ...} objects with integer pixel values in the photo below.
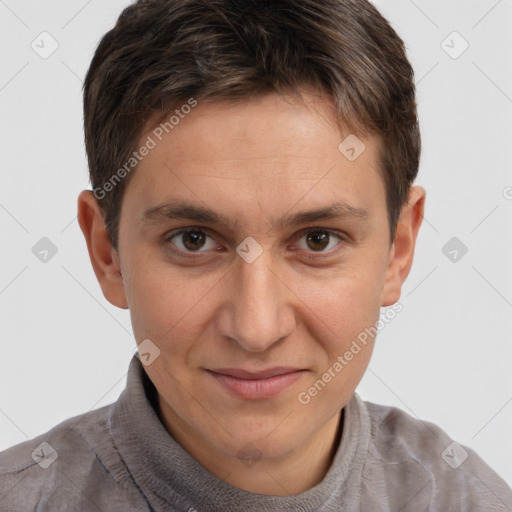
[{"x": 258, "y": 385}]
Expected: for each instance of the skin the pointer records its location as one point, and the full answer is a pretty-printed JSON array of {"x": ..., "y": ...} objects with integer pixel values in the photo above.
[{"x": 299, "y": 304}]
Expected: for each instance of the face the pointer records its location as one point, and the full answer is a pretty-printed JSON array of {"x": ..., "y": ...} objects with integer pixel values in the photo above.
[{"x": 253, "y": 253}]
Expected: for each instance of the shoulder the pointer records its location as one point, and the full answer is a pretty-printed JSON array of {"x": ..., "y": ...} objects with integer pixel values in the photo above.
[
  {"x": 64, "y": 468},
  {"x": 69, "y": 435},
  {"x": 422, "y": 464}
]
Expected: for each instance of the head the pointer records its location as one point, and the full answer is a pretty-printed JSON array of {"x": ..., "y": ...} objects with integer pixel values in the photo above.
[{"x": 252, "y": 166}]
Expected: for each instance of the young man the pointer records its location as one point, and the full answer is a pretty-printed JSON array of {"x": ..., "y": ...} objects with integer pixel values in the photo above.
[{"x": 252, "y": 166}]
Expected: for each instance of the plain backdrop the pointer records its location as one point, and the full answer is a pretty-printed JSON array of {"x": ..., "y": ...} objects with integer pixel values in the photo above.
[{"x": 445, "y": 358}]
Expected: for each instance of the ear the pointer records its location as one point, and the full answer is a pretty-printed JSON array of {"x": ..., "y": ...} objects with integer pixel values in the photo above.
[
  {"x": 104, "y": 258},
  {"x": 402, "y": 251}
]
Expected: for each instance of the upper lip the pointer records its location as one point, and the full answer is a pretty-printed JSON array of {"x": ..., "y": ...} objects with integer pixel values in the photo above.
[{"x": 239, "y": 373}]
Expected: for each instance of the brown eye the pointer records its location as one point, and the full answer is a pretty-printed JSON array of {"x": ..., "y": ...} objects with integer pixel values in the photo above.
[
  {"x": 192, "y": 240},
  {"x": 319, "y": 240}
]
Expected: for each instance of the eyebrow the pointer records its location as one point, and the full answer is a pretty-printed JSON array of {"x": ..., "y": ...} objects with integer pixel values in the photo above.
[{"x": 202, "y": 214}]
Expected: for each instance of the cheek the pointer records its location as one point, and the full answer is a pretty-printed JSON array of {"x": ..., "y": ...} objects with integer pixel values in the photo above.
[
  {"x": 346, "y": 302},
  {"x": 164, "y": 302},
  {"x": 348, "y": 313}
]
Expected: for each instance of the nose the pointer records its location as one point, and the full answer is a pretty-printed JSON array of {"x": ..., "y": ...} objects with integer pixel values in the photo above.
[{"x": 258, "y": 312}]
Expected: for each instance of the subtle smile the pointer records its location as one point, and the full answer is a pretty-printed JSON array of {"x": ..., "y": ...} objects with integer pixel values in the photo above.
[{"x": 256, "y": 385}]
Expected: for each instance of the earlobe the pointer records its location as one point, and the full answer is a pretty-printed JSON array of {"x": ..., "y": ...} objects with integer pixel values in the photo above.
[
  {"x": 104, "y": 258},
  {"x": 402, "y": 251}
]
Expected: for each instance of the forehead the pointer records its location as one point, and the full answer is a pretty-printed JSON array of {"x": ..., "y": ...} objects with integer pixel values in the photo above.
[{"x": 271, "y": 154}]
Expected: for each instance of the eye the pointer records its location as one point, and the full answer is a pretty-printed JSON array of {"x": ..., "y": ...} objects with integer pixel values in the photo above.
[
  {"x": 192, "y": 240},
  {"x": 319, "y": 240},
  {"x": 196, "y": 240}
]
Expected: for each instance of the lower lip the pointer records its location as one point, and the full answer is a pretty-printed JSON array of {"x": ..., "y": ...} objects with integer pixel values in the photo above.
[{"x": 257, "y": 389}]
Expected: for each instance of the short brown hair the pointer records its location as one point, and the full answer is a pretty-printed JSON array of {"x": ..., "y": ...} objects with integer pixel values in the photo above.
[{"x": 161, "y": 53}]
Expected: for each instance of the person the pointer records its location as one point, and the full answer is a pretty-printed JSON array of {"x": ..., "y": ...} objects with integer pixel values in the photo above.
[{"x": 252, "y": 205}]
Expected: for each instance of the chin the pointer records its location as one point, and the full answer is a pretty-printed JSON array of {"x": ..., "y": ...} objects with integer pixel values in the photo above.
[{"x": 263, "y": 441}]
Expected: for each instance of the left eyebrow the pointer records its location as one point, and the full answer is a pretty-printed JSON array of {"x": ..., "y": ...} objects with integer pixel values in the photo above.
[
  {"x": 337, "y": 210},
  {"x": 188, "y": 211}
]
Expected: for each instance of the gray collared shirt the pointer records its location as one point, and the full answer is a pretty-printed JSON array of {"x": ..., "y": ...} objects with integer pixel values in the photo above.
[{"x": 121, "y": 458}]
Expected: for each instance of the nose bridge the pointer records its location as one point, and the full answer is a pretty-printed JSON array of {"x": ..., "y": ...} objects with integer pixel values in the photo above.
[{"x": 261, "y": 314}]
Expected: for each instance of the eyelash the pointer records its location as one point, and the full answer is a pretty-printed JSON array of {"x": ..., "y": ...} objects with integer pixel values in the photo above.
[{"x": 309, "y": 254}]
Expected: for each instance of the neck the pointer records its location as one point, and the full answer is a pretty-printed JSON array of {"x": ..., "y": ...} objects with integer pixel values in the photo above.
[{"x": 303, "y": 468}]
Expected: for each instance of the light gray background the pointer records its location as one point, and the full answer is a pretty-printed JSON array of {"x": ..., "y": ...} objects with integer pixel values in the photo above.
[{"x": 445, "y": 358}]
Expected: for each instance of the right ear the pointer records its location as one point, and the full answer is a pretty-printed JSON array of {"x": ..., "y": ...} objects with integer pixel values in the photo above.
[{"x": 104, "y": 258}]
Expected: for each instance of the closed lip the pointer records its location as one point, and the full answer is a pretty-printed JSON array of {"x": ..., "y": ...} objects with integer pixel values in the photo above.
[
  {"x": 239, "y": 373},
  {"x": 256, "y": 385}
]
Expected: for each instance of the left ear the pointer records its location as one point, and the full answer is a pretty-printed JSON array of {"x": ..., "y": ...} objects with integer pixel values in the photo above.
[{"x": 402, "y": 251}]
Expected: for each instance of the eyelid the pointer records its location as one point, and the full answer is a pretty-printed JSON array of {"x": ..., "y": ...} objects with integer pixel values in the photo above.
[{"x": 312, "y": 229}]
